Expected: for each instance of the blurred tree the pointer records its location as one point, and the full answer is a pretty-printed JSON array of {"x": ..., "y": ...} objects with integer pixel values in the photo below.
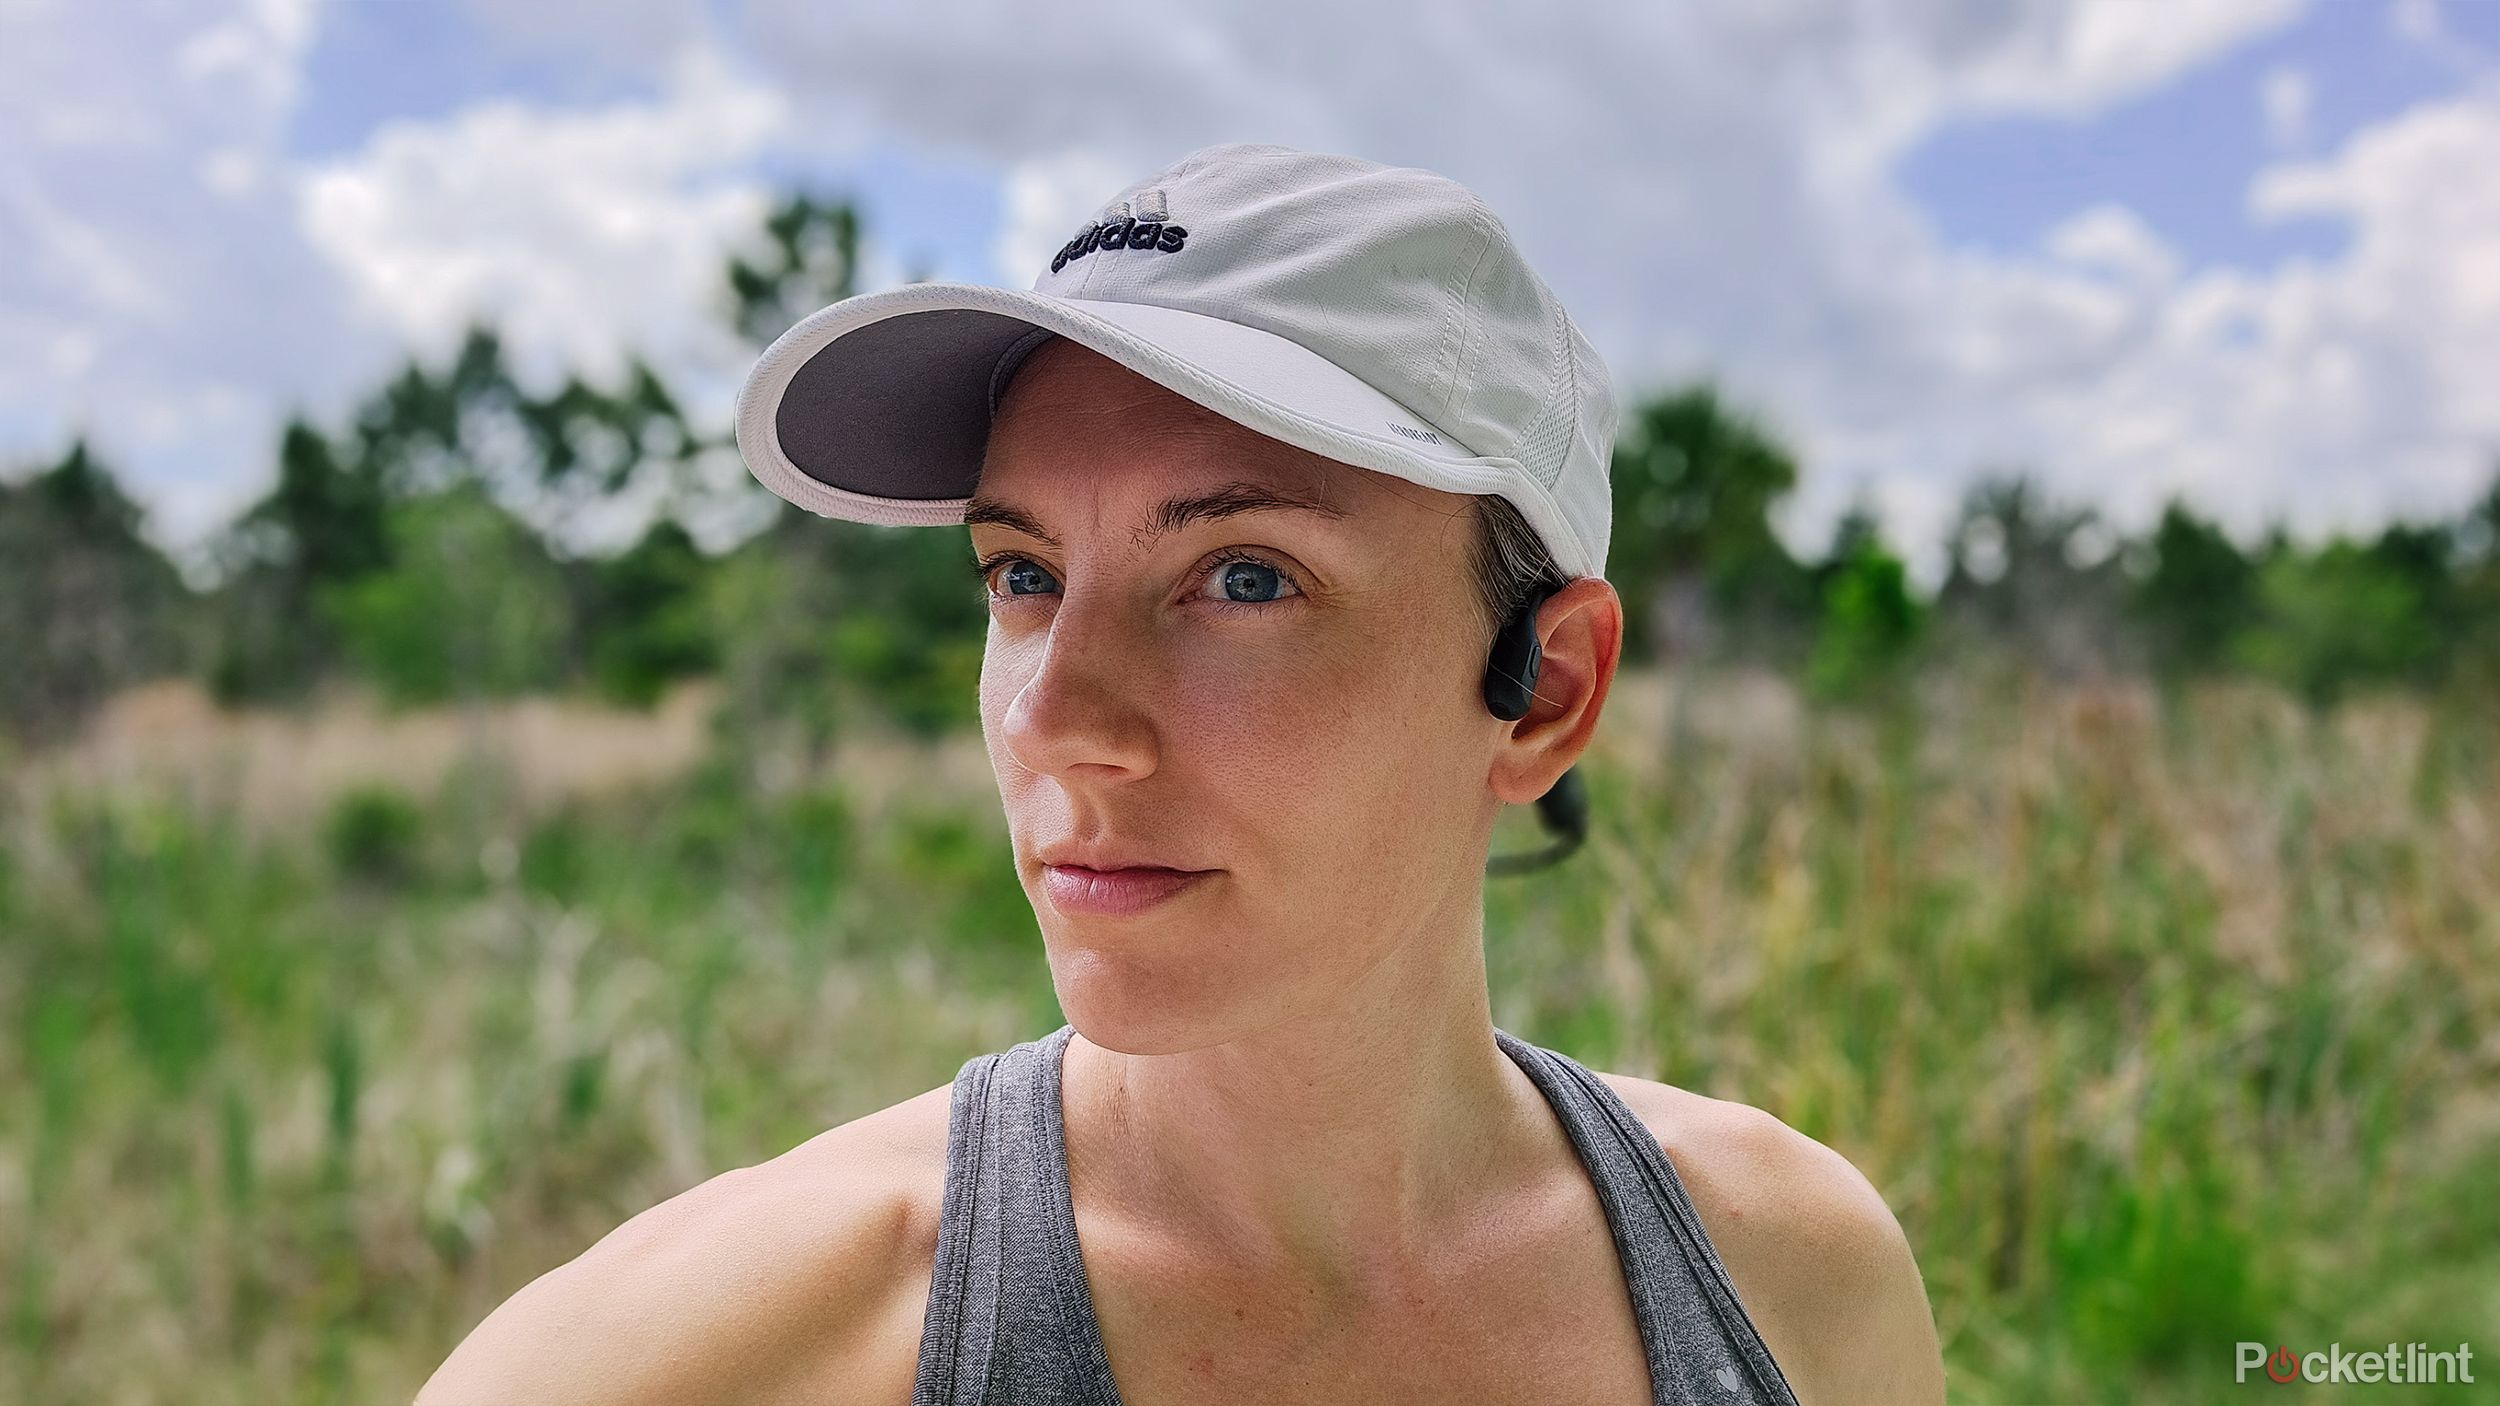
[
  {"x": 2338, "y": 617},
  {"x": 817, "y": 617},
  {"x": 2478, "y": 592},
  {"x": 321, "y": 526},
  {"x": 1871, "y": 620},
  {"x": 645, "y": 623},
  {"x": 87, "y": 604},
  {"x": 2037, "y": 578},
  {"x": 2429, "y": 558},
  {"x": 1693, "y": 551},
  {"x": 810, "y": 259},
  {"x": 469, "y": 606},
  {"x": 2196, "y": 592},
  {"x": 551, "y": 460},
  {"x": 548, "y": 457}
]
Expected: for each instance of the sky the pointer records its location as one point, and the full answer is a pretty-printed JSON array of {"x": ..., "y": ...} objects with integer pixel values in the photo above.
[{"x": 2245, "y": 252}]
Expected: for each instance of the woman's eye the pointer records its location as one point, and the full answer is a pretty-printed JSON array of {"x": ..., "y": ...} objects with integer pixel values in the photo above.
[{"x": 1245, "y": 581}]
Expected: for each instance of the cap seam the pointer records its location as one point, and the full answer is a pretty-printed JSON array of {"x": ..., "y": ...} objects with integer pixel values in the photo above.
[
  {"x": 1452, "y": 321},
  {"x": 1471, "y": 347}
]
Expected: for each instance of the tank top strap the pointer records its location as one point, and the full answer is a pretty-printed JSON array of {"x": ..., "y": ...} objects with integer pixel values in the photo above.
[
  {"x": 1702, "y": 1347},
  {"x": 1009, "y": 1320}
]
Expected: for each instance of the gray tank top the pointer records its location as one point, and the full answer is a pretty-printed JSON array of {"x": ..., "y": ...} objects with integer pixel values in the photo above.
[{"x": 1010, "y": 1321}]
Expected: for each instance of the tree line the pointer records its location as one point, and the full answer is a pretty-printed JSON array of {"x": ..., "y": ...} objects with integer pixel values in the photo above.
[{"x": 415, "y": 550}]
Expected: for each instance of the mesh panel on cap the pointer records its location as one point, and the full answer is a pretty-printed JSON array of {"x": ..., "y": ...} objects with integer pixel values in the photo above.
[{"x": 1547, "y": 440}]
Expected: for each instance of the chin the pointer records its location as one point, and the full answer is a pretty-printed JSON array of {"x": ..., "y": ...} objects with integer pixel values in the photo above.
[{"x": 1143, "y": 1006}]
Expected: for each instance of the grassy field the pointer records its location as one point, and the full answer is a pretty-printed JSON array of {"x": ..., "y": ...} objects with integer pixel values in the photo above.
[{"x": 2162, "y": 1022}]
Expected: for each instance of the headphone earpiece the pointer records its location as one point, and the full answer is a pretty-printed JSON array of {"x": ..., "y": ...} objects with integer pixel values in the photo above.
[{"x": 1510, "y": 673}]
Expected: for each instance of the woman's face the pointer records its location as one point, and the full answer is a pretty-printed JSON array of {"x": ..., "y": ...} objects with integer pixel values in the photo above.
[{"x": 1305, "y": 720}]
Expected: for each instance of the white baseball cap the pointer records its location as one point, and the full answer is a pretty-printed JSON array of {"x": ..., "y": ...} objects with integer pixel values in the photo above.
[{"x": 1376, "y": 315}]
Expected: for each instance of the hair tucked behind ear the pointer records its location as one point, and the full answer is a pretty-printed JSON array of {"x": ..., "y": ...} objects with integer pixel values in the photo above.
[{"x": 1512, "y": 565}]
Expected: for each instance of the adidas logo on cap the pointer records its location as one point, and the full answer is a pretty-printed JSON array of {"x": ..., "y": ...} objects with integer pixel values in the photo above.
[{"x": 1144, "y": 227}]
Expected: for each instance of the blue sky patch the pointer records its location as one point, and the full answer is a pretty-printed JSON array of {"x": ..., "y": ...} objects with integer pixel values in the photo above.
[{"x": 2182, "y": 156}]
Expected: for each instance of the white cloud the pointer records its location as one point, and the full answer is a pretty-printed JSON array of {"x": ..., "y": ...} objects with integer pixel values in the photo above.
[
  {"x": 2079, "y": 58},
  {"x": 582, "y": 236},
  {"x": 2114, "y": 239},
  {"x": 2416, "y": 298},
  {"x": 253, "y": 55},
  {"x": 2285, "y": 99}
]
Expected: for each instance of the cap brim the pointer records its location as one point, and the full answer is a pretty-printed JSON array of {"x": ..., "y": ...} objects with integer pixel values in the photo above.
[{"x": 877, "y": 408}]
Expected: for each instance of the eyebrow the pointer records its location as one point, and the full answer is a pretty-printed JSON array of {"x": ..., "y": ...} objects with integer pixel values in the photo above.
[{"x": 1171, "y": 516}]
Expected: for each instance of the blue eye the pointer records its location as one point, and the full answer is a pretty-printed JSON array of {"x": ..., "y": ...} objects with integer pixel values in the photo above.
[
  {"x": 1251, "y": 576},
  {"x": 1237, "y": 579},
  {"x": 1028, "y": 571}
]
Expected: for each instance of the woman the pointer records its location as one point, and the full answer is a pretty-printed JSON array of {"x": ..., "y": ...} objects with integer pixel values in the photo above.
[{"x": 1247, "y": 694}]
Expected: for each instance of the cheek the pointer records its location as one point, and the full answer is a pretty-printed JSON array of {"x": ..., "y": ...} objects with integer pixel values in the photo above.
[
  {"x": 1309, "y": 723},
  {"x": 1293, "y": 720}
]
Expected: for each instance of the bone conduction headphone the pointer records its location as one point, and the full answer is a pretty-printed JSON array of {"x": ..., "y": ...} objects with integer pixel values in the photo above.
[{"x": 1509, "y": 686}]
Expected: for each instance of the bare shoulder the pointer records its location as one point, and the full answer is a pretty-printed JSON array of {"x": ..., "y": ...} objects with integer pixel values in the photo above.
[
  {"x": 1817, "y": 1256},
  {"x": 801, "y": 1278}
]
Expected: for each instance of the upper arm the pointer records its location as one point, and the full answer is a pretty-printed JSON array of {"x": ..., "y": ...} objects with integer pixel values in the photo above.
[
  {"x": 757, "y": 1281},
  {"x": 613, "y": 1326},
  {"x": 1816, "y": 1255}
]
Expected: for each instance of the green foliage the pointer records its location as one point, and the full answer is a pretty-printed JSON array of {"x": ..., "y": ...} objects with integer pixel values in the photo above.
[
  {"x": 2196, "y": 593},
  {"x": 87, "y": 604},
  {"x": 335, "y": 518},
  {"x": 1870, "y": 622},
  {"x": 324, "y": 525},
  {"x": 1694, "y": 483},
  {"x": 2343, "y": 616},
  {"x": 554, "y": 859},
  {"x": 372, "y": 835},
  {"x": 648, "y": 624},
  {"x": 818, "y": 619},
  {"x": 470, "y": 604}
]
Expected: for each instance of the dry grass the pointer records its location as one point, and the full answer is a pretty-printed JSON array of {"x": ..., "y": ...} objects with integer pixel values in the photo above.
[{"x": 2158, "y": 1021}]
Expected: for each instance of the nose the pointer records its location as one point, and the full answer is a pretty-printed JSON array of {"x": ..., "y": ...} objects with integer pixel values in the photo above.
[{"x": 1080, "y": 708}]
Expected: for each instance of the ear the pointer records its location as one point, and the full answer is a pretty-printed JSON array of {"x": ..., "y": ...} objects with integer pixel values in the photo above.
[{"x": 1580, "y": 629}]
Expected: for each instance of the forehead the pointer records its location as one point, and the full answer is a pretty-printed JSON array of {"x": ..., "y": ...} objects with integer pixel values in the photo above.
[{"x": 1076, "y": 422}]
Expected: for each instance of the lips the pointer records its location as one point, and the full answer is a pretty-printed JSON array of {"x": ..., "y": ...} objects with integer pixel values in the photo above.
[{"x": 1119, "y": 892}]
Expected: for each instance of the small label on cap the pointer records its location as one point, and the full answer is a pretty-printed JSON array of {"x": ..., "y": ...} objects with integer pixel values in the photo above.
[{"x": 1411, "y": 432}]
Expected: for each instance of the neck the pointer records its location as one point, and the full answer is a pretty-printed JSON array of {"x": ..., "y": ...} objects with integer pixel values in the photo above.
[{"x": 1343, "y": 1146}]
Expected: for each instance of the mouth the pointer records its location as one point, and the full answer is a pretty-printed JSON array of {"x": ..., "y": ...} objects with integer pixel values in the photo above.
[{"x": 1122, "y": 892}]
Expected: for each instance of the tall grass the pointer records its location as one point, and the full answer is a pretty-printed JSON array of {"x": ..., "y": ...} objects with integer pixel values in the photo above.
[{"x": 2162, "y": 1022}]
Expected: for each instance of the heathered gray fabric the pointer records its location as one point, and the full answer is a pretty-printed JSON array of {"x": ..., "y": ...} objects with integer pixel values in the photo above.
[{"x": 1010, "y": 1321}]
